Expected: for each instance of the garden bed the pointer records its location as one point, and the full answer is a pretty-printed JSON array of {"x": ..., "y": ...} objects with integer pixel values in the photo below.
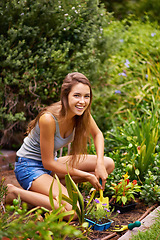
[{"x": 121, "y": 219}]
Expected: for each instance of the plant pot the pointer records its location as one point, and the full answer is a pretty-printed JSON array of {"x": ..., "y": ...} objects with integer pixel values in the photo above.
[
  {"x": 124, "y": 208},
  {"x": 97, "y": 226}
]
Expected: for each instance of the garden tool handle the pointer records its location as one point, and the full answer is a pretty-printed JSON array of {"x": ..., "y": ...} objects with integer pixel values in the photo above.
[
  {"x": 101, "y": 191},
  {"x": 100, "y": 181},
  {"x": 133, "y": 225},
  {"x": 101, "y": 195}
]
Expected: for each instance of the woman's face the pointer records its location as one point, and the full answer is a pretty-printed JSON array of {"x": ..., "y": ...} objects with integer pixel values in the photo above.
[{"x": 78, "y": 99}]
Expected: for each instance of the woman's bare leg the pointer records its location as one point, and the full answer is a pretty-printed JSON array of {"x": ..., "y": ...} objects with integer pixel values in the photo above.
[
  {"x": 38, "y": 195},
  {"x": 42, "y": 186},
  {"x": 33, "y": 198}
]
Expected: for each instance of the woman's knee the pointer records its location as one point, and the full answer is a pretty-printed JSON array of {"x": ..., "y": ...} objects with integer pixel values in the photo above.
[{"x": 109, "y": 164}]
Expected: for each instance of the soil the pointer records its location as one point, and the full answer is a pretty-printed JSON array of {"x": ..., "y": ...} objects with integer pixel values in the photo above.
[{"x": 122, "y": 219}]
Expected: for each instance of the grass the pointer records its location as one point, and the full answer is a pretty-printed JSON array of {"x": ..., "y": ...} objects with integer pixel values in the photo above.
[{"x": 153, "y": 233}]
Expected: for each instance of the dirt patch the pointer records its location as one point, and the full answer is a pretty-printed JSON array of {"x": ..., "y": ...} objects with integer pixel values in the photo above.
[
  {"x": 121, "y": 219},
  {"x": 9, "y": 177}
]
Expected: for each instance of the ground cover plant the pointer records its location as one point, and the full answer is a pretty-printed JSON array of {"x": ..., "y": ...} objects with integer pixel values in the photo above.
[{"x": 152, "y": 233}]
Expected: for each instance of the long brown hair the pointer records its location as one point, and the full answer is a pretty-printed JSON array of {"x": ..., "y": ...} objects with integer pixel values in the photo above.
[{"x": 60, "y": 109}]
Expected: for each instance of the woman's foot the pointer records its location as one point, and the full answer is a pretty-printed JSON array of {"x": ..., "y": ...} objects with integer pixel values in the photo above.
[{"x": 10, "y": 195}]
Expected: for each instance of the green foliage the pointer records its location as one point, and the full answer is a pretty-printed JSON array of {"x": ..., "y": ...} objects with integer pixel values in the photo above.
[
  {"x": 132, "y": 77},
  {"x": 15, "y": 220},
  {"x": 150, "y": 234},
  {"x": 42, "y": 41},
  {"x": 151, "y": 185},
  {"x": 124, "y": 192},
  {"x": 135, "y": 67},
  {"x": 151, "y": 8},
  {"x": 99, "y": 214},
  {"x": 123, "y": 8},
  {"x": 138, "y": 139},
  {"x": 120, "y": 8},
  {"x": 43, "y": 229},
  {"x": 75, "y": 198}
]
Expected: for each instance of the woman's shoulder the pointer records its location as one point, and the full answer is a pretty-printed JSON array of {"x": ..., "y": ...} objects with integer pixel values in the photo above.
[{"x": 46, "y": 118}]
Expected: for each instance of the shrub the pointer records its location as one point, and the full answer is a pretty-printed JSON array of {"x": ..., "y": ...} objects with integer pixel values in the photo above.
[
  {"x": 41, "y": 41},
  {"x": 139, "y": 8},
  {"x": 132, "y": 80},
  {"x": 138, "y": 138}
]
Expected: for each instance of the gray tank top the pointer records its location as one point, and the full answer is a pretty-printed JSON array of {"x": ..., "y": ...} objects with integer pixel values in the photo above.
[{"x": 31, "y": 144}]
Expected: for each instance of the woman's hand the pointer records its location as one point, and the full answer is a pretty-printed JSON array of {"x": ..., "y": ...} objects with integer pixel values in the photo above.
[
  {"x": 101, "y": 173},
  {"x": 94, "y": 181}
]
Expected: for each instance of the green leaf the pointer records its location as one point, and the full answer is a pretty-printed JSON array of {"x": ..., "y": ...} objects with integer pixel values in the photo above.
[
  {"x": 67, "y": 199},
  {"x": 51, "y": 196},
  {"x": 124, "y": 199},
  {"x": 80, "y": 198},
  {"x": 75, "y": 199},
  {"x": 68, "y": 186},
  {"x": 60, "y": 190},
  {"x": 91, "y": 198},
  {"x": 137, "y": 172},
  {"x": 74, "y": 195}
]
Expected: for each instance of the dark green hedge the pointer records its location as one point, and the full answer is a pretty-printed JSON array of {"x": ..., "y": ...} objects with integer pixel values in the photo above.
[
  {"x": 123, "y": 8},
  {"x": 40, "y": 42}
]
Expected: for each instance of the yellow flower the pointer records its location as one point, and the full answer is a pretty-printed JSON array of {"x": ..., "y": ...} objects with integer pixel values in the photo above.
[{"x": 125, "y": 176}]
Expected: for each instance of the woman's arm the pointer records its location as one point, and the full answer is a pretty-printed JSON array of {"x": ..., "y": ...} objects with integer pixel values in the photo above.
[
  {"x": 47, "y": 130},
  {"x": 100, "y": 170}
]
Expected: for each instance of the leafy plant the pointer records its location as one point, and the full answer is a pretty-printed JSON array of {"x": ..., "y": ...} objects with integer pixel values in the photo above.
[
  {"x": 133, "y": 71},
  {"x": 124, "y": 191},
  {"x": 16, "y": 222},
  {"x": 75, "y": 198},
  {"x": 99, "y": 215},
  {"x": 150, "y": 189},
  {"x": 138, "y": 138}
]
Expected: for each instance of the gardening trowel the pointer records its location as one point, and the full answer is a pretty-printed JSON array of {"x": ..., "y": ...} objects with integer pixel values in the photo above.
[
  {"x": 101, "y": 199},
  {"x": 130, "y": 226}
]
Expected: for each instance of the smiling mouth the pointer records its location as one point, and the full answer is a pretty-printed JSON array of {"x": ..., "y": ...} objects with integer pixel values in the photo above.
[{"x": 80, "y": 107}]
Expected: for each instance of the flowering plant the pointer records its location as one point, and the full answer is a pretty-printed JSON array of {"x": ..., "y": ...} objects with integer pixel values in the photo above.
[
  {"x": 101, "y": 214},
  {"x": 124, "y": 191}
]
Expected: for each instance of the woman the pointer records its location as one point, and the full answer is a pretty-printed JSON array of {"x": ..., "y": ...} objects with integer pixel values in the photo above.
[{"x": 68, "y": 120}]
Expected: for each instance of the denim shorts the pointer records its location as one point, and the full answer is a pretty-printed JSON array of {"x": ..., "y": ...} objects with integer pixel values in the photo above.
[{"x": 27, "y": 170}]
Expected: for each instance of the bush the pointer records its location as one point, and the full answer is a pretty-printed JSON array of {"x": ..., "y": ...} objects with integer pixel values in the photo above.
[
  {"x": 41, "y": 41},
  {"x": 123, "y": 8},
  {"x": 132, "y": 72}
]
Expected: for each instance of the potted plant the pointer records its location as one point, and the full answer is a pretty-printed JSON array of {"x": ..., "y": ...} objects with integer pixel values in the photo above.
[
  {"x": 123, "y": 198},
  {"x": 99, "y": 218}
]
